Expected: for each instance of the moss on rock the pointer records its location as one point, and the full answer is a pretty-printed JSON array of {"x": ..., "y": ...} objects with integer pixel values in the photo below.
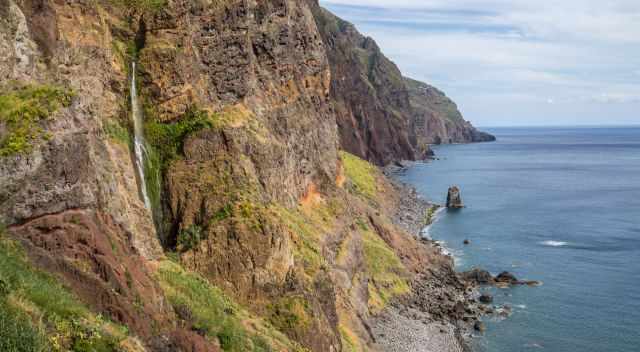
[{"x": 22, "y": 113}]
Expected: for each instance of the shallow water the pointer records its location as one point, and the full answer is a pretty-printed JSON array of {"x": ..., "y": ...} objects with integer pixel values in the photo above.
[{"x": 559, "y": 205}]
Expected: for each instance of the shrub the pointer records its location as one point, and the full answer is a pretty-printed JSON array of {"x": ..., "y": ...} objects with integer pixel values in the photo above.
[
  {"x": 22, "y": 111},
  {"x": 167, "y": 139},
  {"x": 189, "y": 238}
]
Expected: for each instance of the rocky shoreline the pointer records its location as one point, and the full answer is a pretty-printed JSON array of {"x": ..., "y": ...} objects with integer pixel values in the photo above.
[{"x": 441, "y": 312}]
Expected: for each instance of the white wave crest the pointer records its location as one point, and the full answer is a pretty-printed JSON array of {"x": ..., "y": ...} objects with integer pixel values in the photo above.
[{"x": 554, "y": 243}]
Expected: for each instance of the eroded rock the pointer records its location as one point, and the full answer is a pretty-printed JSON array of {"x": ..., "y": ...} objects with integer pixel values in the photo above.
[{"x": 454, "y": 199}]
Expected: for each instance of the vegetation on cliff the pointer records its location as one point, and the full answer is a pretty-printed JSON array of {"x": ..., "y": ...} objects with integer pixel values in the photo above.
[
  {"x": 387, "y": 273},
  {"x": 209, "y": 311},
  {"x": 22, "y": 112},
  {"x": 38, "y": 314},
  {"x": 361, "y": 174}
]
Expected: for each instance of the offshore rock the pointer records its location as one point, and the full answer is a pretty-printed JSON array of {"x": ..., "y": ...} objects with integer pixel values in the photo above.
[
  {"x": 478, "y": 276},
  {"x": 454, "y": 200},
  {"x": 486, "y": 298}
]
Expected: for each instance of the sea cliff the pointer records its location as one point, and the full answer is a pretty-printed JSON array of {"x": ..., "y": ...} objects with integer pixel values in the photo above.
[{"x": 268, "y": 225}]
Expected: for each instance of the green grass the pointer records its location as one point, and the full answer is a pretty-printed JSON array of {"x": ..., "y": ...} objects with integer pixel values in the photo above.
[
  {"x": 17, "y": 332},
  {"x": 290, "y": 314},
  {"x": 430, "y": 214},
  {"x": 386, "y": 271},
  {"x": 143, "y": 5},
  {"x": 118, "y": 133},
  {"x": 349, "y": 340},
  {"x": 306, "y": 236},
  {"x": 167, "y": 139},
  {"x": 361, "y": 174},
  {"x": 209, "y": 309},
  {"x": 38, "y": 314},
  {"x": 22, "y": 111}
]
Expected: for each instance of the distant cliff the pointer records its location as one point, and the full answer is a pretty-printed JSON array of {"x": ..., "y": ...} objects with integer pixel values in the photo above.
[
  {"x": 436, "y": 118},
  {"x": 381, "y": 115}
]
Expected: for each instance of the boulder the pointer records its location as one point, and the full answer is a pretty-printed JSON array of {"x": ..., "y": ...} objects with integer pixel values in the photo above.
[
  {"x": 507, "y": 278},
  {"x": 478, "y": 276},
  {"x": 486, "y": 298},
  {"x": 454, "y": 200}
]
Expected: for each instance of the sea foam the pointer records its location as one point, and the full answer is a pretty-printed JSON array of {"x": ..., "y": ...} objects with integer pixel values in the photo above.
[{"x": 554, "y": 243}]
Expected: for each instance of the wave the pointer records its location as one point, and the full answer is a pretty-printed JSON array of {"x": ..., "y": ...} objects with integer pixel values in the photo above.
[
  {"x": 455, "y": 254},
  {"x": 426, "y": 233},
  {"x": 554, "y": 243}
]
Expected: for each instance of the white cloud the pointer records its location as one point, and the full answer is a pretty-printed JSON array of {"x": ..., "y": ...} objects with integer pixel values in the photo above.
[{"x": 499, "y": 57}]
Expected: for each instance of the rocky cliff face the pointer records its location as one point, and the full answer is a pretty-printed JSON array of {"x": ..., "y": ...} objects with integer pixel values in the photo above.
[
  {"x": 436, "y": 118},
  {"x": 383, "y": 116},
  {"x": 371, "y": 100},
  {"x": 250, "y": 196}
]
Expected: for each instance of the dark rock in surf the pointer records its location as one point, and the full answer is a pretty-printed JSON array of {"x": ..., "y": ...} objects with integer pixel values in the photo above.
[
  {"x": 486, "y": 298},
  {"x": 506, "y": 277},
  {"x": 478, "y": 276}
]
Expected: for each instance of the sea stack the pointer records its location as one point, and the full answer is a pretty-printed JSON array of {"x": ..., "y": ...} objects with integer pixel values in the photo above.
[{"x": 454, "y": 201}]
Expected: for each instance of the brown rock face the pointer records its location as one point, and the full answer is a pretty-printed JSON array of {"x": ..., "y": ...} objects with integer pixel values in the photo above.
[
  {"x": 454, "y": 200},
  {"x": 436, "y": 119},
  {"x": 262, "y": 64},
  {"x": 383, "y": 116},
  {"x": 371, "y": 100}
]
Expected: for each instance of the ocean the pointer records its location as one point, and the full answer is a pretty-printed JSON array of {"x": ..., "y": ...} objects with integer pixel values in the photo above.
[{"x": 558, "y": 205}]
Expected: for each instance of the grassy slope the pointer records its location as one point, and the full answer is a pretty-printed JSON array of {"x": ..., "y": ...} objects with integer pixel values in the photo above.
[
  {"x": 213, "y": 313},
  {"x": 38, "y": 314}
]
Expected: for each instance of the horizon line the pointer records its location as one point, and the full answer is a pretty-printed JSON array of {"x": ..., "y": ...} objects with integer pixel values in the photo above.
[{"x": 547, "y": 126}]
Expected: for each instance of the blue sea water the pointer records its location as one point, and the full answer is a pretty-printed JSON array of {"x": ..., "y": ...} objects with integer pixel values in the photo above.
[{"x": 559, "y": 205}]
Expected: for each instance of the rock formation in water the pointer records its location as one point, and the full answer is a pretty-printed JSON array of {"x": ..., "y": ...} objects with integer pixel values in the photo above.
[
  {"x": 260, "y": 233},
  {"x": 454, "y": 199}
]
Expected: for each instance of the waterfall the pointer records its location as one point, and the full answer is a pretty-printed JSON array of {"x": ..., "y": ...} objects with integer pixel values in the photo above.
[{"x": 138, "y": 139}]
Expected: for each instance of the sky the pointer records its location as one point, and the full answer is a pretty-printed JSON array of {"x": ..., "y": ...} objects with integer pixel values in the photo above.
[{"x": 515, "y": 62}]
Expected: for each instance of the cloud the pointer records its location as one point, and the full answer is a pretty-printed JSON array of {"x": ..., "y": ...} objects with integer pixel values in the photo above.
[
  {"x": 515, "y": 52},
  {"x": 615, "y": 98}
]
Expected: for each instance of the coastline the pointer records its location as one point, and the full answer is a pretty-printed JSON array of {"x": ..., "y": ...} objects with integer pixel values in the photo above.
[{"x": 440, "y": 313}]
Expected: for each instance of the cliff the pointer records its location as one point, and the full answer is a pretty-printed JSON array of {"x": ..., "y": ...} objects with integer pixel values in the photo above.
[
  {"x": 436, "y": 118},
  {"x": 371, "y": 100},
  {"x": 260, "y": 233},
  {"x": 383, "y": 116}
]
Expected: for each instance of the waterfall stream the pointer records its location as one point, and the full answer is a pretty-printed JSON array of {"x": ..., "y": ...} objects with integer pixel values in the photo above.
[{"x": 138, "y": 139}]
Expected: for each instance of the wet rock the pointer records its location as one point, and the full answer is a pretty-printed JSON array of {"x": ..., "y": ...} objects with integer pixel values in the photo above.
[
  {"x": 486, "y": 298},
  {"x": 466, "y": 242},
  {"x": 507, "y": 277},
  {"x": 454, "y": 200},
  {"x": 479, "y": 326},
  {"x": 478, "y": 276}
]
